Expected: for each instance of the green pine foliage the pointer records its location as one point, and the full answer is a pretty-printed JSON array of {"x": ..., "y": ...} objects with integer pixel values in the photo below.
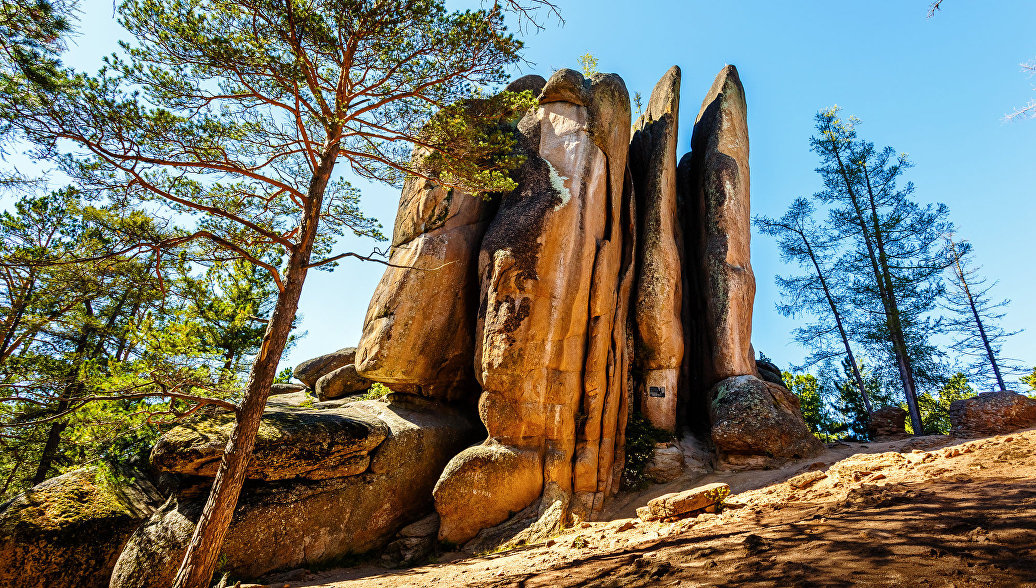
[
  {"x": 935, "y": 409},
  {"x": 588, "y": 63},
  {"x": 1030, "y": 381},
  {"x": 92, "y": 338}
]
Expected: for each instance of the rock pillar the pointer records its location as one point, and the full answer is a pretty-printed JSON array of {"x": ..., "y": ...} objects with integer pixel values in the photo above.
[
  {"x": 555, "y": 271},
  {"x": 658, "y": 299}
]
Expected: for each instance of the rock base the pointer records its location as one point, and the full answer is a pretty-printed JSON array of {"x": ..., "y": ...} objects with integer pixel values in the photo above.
[
  {"x": 992, "y": 413},
  {"x": 298, "y": 523},
  {"x": 758, "y": 424}
]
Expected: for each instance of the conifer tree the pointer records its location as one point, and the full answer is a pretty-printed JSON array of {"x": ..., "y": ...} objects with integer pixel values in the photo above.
[
  {"x": 817, "y": 292},
  {"x": 237, "y": 116},
  {"x": 894, "y": 250},
  {"x": 975, "y": 319}
]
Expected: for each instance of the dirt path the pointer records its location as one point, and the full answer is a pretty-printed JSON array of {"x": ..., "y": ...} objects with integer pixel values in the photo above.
[{"x": 922, "y": 512}]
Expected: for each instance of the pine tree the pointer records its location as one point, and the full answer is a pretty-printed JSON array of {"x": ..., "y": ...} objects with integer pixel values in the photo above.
[
  {"x": 975, "y": 319},
  {"x": 93, "y": 341},
  {"x": 236, "y": 115},
  {"x": 893, "y": 251},
  {"x": 817, "y": 292}
]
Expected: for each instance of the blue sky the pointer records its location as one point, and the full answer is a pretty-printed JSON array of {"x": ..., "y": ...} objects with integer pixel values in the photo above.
[{"x": 935, "y": 88}]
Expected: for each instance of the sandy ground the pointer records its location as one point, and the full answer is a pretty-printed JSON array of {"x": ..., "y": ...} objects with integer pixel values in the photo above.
[{"x": 928, "y": 511}]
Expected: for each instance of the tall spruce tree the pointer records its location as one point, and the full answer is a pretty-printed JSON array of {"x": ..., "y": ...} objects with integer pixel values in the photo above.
[
  {"x": 236, "y": 115},
  {"x": 894, "y": 250},
  {"x": 817, "y": 292}
]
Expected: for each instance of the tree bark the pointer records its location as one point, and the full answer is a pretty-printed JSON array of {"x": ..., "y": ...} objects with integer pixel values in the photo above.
[
  {"x": 203, "y": 552},
  {"x": 57, "y": 427},
  {"x": 894, "y": 322}
]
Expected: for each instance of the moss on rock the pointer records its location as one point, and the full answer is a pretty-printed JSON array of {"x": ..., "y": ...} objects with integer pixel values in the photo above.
[{"x": 69, "y": 530}]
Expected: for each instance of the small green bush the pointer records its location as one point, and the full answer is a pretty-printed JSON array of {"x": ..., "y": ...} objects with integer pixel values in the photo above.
[
  {"x": 377, "y": 390},
  {"x": 641, "y": 438}
]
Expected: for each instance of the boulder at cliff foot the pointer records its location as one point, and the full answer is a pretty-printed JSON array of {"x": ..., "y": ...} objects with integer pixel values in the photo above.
[{"x": 756, "y": 423}]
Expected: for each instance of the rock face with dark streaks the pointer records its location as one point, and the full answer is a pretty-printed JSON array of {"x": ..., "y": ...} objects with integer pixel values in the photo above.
[
  {"x": 659, "y": 285},
  {"x": 419, "y": 329},
  {"x": 555, "y": 270},
  {"x": 719, "y": 232}
]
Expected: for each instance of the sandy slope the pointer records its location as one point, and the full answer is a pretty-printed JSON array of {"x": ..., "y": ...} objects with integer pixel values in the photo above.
[{"x": 929, "y": 511}]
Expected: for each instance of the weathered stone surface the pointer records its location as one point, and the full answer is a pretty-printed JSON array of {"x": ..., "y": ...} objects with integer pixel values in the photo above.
[
  {"x": 718, "y": 233},
  {"x": 308, "y": 372},
  {"x": 69, "y": 530},
  {"x": 426, "y": 527},
  {"x": 407, "y": 550},
  {"x": 293, "y": 442},
  {"x": 533, "y": 83},
  {"x": 888, "y": 424},
  {"x": 555, "y": 272},
  {"x": 680, "y": 503},
  {"x": 769, "y": 372},
  {"x": 341, "y": 382},
  {"x": 155, "y": 551},
  {"x": 667, "y": 463},
  {"x": 483, "y": 486},
  {"x": 758, "y": 424},
  {"x": 659, "y": 285},
  {"x": 291, "y": 524},
  {"x": 286, "y": 388},
  {"x": 420, "y": 324},
  {"x": 992, "y": 413},
  {"x": 542, "y": 519}
]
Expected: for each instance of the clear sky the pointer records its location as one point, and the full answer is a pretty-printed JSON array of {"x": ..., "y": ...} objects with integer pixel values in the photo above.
[{"x": 935, "y": 88}]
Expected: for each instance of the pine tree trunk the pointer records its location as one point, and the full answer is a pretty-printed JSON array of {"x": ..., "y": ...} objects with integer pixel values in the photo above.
[
  {"x": 841, "y": 329},
  {"x": 203, "y": 552},
  {"x": 978, "y": 317},
  {"x": 14, "y": 473},
  {"x": 893, "y": 318},
  {"x": 888, "y": 304},
  {"x": 57, "y": 427}
]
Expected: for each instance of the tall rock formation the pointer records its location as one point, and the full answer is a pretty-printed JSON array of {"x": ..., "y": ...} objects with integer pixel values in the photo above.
[
  {"x": 659, "y": 291},
  {"x": 753, "y": 423},
  {"x": 419, "y": 329},
  {"x": 418, "y": 335},
  {"x": 719, "y": 230},
  {"x": 555, "y": 272}
]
